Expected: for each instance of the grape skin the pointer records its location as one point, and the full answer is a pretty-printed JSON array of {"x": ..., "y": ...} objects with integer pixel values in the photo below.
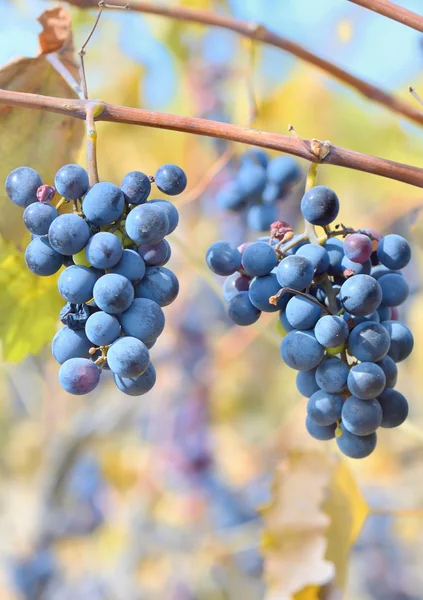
[
  {"x": 283, "y": 171},
  {"x": 320, "y": 205},
  {"x": 113, "y": 293},
  {"x": 171, "y": 213},
  {"x": 76, "y": 284},
  {"x": 369, "y": 342},
  {"x": 357, "y": 268},
  {"x": 38, "y": 217},
  {"x": 223, "y": 258},
  {"x": 335, "y": 249},
  {"x": 394, "y": 408},
  {"x": 301, "y": 313},
  {"x": 22, "y": 185},
  {"x": 262, "y": 288},
  {"x": 284, "y": 322},
  {"x": 301, "y": 351},
  {"x": 251, "y": 181},
  {"x": 41, "y": 258},
  {"x": 366, "y": 381},
  {"x": 131, "y": 266},
  {"x": 147, "y": 224},
  {"x": 401, "y": 340},
  {"x": 260, "y": 217},
  {"x": 229, "y": 197},
  {"x": 320, "y": 432},
  {"x": 384, "y": 313},
  {"x": 102, "y": 329},
  {"x": 390, "y": 369},
  {"x": 170, "y": 179},
  {"x": 234, "y": 284},
  {"x": 159, "y": 284},
  {"x": 355, "y": 446},
  {"x": 144, "y": 319},
  {"x": 361, "y": 295},
  {"x": 295, "y": 272},
  {"x": 128, "y": 357},
  {"x": 70, "y": 343},
  {"x": 317, "y": 255},
  {"x": 358, "y": 247},
  {"x": 395, "y": 289},
  {"x": 155, "y": 255},
  {"x": 331, "y": 331},
  {"x": 258, "y": 259},
  {"x": 79, "y": 376},
  {"x": 71, "y": 181},
  {"x": 332, "y": 375},
  {"x": 136, "y": 187},
  {"x": 137, "y": 386},
  {"x": 68, "y": 234},
  {"x": 324, "y": 408},
  {"x": 241, "y": 310},
  {"x": 361, "y": 417},
  {"x": 306, "y": 382},
  {"x": 103, "y": 203},
  {"x": 394, "y": 251},
  {"x": 103, "y": 250}
]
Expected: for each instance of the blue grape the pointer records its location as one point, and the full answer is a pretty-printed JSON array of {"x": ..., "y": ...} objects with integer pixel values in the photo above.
[
  {"x": 155, "y": 255},
  {"x": 284, "y": 322},
  {"x": 171, "y": 212},
  {"x": 352, "y": 321},
  {"x": 70, "y": 343},
  {"x": 147, "y": 223},
  {"x": 136, "y": 187},
  {"x": 394, "y": 251},
  {"x": 356, "y": 268},
  {"x": 38, "y": 217},
  {"x": 255, "y": 156},
  {"x": 262, "y": 288},
  {"x": 251, "y": 181},
  {"x": 384, "y": 313},
  {"x": 234, "y": 284},
  {"x": 76, "y": 284},
  {"x": 22, "y": 185},
  {"x": 68, "y": 234},
  {"x": 395, "y": 289},
  {"x": 144, "y": 319},
  {"x": 79, "y": 376},
  {"x": 103, "y": 250},
  {"x": 170, "y": 179},
  {"x": 394, "y": 408},
  {"x": 71, "y": 181},
  {"x": 113, "y": 293},
  {"x": 366, "y": 381},
  {"x": 260, "y": 217},
  {"x": 128, "y": 357},
  {"x": 283, "y": 171},
  {"x": 358, "y": 247},
  {"x": 369, "y": 342},
  {"x": 306, "y": 383},
  {"x": 41, "y": 258},
  {"x": 320, "y": 432},
  {"x": 102, "y": 329},
  {"x": 159, "y": 284},
  {"x": 137, "y": 386},
  {"x": 361, "y": 295},
  {"x": 356, "y": 446},
  {"x": 320, "y": 205},
  {"x": 301, "y": 351},
  {"x": 131, "y": 266},
  {"x": 229, "y": 197},
  {"x": 324, "y": 408},
  {"x": 259, "y": 259},
  {"x": 380, "y": 270},
  {"x": 331, "y": 331},
  {"x": 361, "y": 417},
  {"x": 335, "y": 249},
  {"x": 103, "y": 204},
  {"x": 223, "y": 258},
  {"x": 241, "y": 310},
  {"x": 271, "y": 193},
  {"x": 301, "y": 313},
  {"x": 332, "y": 375},
  {"x": 295, "y": 272},
  {"x": 390, "y": 369},
  {"x": 317, "y": 255},
  {"x": 401, "y": 340}
]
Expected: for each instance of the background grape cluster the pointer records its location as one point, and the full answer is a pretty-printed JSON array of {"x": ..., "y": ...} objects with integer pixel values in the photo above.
[
  {"x": 257, "y": 185},
  {"x": 337, "y": 302},
  {"x": 115, "y": 284}
]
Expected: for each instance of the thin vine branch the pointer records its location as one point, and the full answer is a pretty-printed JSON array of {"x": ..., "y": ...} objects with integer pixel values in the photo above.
[
  {"x": 394, "y": 12},
  {"x": 338, "y": 156},
  {"x": 264, "y": 35},
  {"x": 92, "y": 169}
]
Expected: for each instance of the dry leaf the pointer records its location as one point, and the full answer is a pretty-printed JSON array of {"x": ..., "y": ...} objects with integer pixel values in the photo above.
[{"x": 44, "y": 141}]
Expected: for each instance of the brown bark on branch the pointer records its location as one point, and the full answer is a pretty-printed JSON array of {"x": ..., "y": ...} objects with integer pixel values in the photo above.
[
  {"x": 260, "y": 33},
  {"x": 394, "y": 12},
  {"x": 273, "y": 141}
]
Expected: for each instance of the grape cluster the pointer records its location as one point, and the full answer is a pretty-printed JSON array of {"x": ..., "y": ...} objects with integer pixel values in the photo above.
[
  {"x": 115, "y": 284},
  {"x": 337, "y": 302},
  {"x": 258, "y": 185}
]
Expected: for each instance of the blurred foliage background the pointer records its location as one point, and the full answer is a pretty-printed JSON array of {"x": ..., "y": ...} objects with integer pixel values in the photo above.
[{"x": 110, "y": 497}]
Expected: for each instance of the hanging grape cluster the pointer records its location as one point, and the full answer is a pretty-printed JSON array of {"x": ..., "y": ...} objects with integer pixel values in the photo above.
[
  {"x": 337, "y": 301},
  {"x": 257, "y": 187},
  {"x": 113, "y": 247}
]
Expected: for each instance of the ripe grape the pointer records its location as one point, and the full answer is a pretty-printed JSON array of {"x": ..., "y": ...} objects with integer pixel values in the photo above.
[
  {"x": 41, "y": 258},
  {"x": 320, "y": 432},
  {"x": 155, "y": 255},
  {"x": 394, "y": 408},
  {"x": 144, "y": 319},
  {"x": 128, "y": 357},
  {"x": 317, "y": 255},
  {"x": 38, "y": 217},
  {"x": 335, "y": 249},
  {"x": 295, "y": 272},
  {"x": 301, "y": 313},
  {"x": 223, "y": 259},
  {"x": 234, "y": 284},
  {"x": 366, "y": 381},
  {"x": 130, "y": 265},
  {"x": 262, "y": 288},
  {"x": 369, "y": 342},
  {"x": 331, "y": 331},
  {"x": 170, "y": 179},
  {"x": 137, "y": 386},
  {"x": 159, "y": 284},
  {"x": 260, "y": 217},
  {"x": 259, "y": 258},
  {"x": 283, "y": 171},
  {"x": 22, "y": 185},
  {"x": 251, "y": 181},
  {"x": 147, "y": 223},
  {"x": 284, "y": 322},
  {"x": 358, "y": 247},
  {"x": 171, "y": 213},
  {"x": 76, "y": 284},
  {"x": 390, "y": 369},
  {"x": 351, "y": 268},
  {"x": 395, "y": 289},
  {"x": 70, "y": 343},
  {"x": 229, "y": 197},
  {"x": 241, "y": 310},
  {"x": 103, "y": 250},
  {"x": 332, "y": 375},
  {"x": 301, "y": 351},
  {"x": 79, "y": 376},
  {"x": 68, "y": 234},
  {"x": 320, "y": 205},
  {"x": 361, "y": 295},
  {"x": 361, "y": 417},
  {"x": 356, "y": 446},
  {"x": 102, "y": 329},
  {"x": 136, "y": 187},
  {"x": 306, "y": 382},
  {"x": 113, "y": 293},
  {"x": 71, "y": 182},
  {"x": 401, "y": 340},
  {"x": 324, "y": 408},
  {"x": 394, "y": 251},
  {"x": 103, "y": 204}
]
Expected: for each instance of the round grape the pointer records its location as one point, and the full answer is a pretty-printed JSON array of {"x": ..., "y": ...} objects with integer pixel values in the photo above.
[
  {"x": 283, "y": 171},
  {"x": 102, "y": 329},
  {"x": 355, "y": 446},
  {"x": 324, "y": 408},
  {"x": 335, "y": 249},
  {"x": 38, "y": 217},
  {"x": 395, "y": 289},
  {"x": 361, "y": 295},
  {"x": 76, "y": 284},
  {"x": 369, "y": 342},
  {"x": 301, "y": 351},
  {"x": 41, "y": 258},
  {"x": 320, "y": 205},
  {"x": 159, "y": 284},
  {"x": 144, "y": 319},
  {"x": 128, "y": 357},
  {"x": 137, "y": 386},
  {"x": 260, "y": 217},
  {"x": 295, "y": 271},
  {"x": 306, "y": 383},
  {"x": 351, "y": 268},
  {"x": 332, "y": 375},
  {"x": 147, "y": 224},
  {"x": 241, "y": 310},
  {"x": 113, "y": 293},
  {"x": 171, "y": 213},
  {"x": 68, "y": 234},
  {"x": 390, "y": 369},
  {"x": 131, "y": 266},
  {"x": 401, "y": 340},
  {"x": 251, "y": 181},
  {"x": 103, "y": 250},
  {"x": 103, "y": 204},
  {"x": 366, "y": 381},
  {"x": 394, "y": 408},
  {"x": 259, "y": 259},
  {"x": 155, "y": 255},
  {"x": 136, "y": 187},
  {"x": 301, "y": 313},
  {"x": 320, "y": 432},
  {"x": 317, "y": 255},
  {"x": 70, "y": 343},
  {"x": 223, "y": 259},
  {"x": 79, "y": 376},
  {"x": 394, "y": 251},
  {"x": 234, "y": 284},
  {"x": 22, "y": 185},
  {"x": 71, "y": 181},
  {"x": 262, "y": 288},
  {"x": 170, "y": 179},
  {"x": 331, "y": 331},
  {"x": 358, "y": 247},
  {"x": 361, "y": 417},
  {"x": 229, "y": 197}
]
